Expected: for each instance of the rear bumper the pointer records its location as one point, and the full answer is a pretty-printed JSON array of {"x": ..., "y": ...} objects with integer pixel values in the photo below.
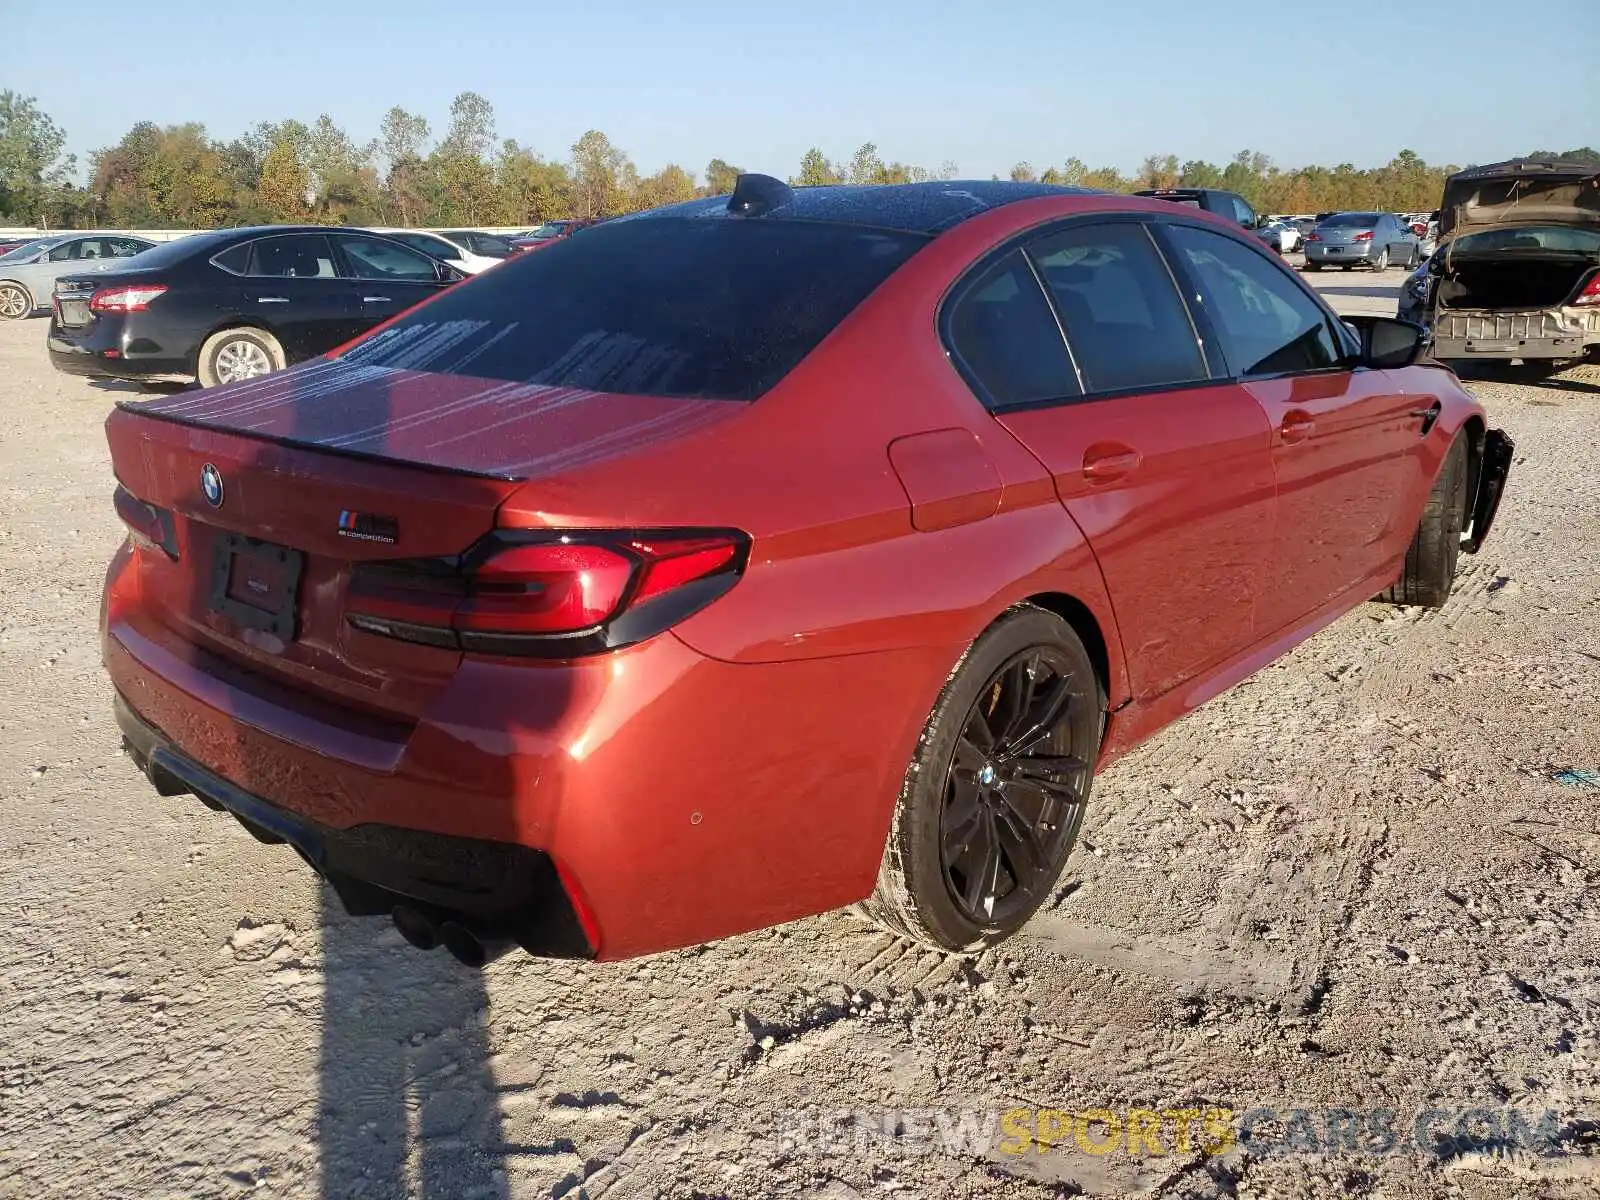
[
  {"x": 1494, "y": 467},
  {"x": 497, "y": 891},
  {"x": 130, "y": 356},
  {"x": 1357, "y": 252},
  {"x": 684, "y": 798},
  {"x": 1490, "y": 334}
]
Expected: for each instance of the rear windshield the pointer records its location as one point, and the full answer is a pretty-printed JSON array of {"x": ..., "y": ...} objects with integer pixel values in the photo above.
[
  {"x": 165, "y": 254},
  {"x": 661, "y": 306},
  {"x": 1350, "y": 220},
  {"x": 1550, "y": 240}
]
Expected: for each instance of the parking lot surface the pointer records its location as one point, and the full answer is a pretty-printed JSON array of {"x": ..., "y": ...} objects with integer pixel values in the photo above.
[{"x": 1363, "y": 880}]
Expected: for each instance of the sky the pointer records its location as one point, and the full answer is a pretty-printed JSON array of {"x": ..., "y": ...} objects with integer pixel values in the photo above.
[{"x": 984, "y": 84}]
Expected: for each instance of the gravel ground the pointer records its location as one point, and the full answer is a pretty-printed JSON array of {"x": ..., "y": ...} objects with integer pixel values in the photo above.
[{"x": 1357, "y": 881}]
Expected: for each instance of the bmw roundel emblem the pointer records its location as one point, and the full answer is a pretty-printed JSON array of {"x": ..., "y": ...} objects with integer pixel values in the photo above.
[{"x": 211, "y": 485}]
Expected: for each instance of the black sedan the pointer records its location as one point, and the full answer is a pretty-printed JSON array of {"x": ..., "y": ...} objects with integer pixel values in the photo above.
[{"x": 236, "y": 303}]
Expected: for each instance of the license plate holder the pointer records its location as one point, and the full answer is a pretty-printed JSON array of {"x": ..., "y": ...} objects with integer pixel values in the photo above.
[
  {"x": 256, "y": 584},
  {"x": 72, "y": 313}
]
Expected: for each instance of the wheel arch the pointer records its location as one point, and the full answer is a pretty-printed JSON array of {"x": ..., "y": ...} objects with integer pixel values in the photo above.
[{"x": 1081, "y": 618}]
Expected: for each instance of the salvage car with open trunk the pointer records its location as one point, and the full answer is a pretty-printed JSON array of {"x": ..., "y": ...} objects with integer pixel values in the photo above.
[{"x": 1516, "y": 274}]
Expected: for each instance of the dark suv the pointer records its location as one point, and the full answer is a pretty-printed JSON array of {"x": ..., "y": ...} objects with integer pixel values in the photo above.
[
  {"x": 236, "y": 303},
  {"x": 1229, "y": 205}
]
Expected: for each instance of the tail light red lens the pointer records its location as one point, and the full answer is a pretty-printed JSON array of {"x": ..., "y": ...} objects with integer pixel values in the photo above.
[
  {"x": 1313, "y": 237},
  {"x": 125, "y": 299},
  {"x": 1591, "y": 291},
  {"x": 1363, "y": 237},
  {"x": 549, "y": 588},
  {"x": 561, "y": 595},
  {"x": 150, "y": 526}
]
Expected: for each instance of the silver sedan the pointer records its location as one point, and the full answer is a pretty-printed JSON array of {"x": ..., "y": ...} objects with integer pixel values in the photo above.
[
  {"x": 28, "y": 274},
  {"x": 1372, "y": 239}
]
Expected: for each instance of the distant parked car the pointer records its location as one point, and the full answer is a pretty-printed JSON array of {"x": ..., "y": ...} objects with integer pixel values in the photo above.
[
  {"x": 8, "y": 244},
  {"x": 438, "y": 246},
  {"x": 484, "y": 245},
  {"x": 237, "y": 303},
  {"x": 1517, "y": 275},
  {"x": 1228, "y": 205},
  {"x": 549, "y": 233},
  {"x": 1282, "y": 236},
  {"x": 29, "y": 272},
  {"x": 1373, "y": 239}
]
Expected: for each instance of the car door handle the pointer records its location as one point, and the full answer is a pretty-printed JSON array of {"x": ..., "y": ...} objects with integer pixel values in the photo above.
[
  {"x": 375, "y": 300},
  {"x": 272, "y": 299},
  {"x": 1297, "y": 425},
  {"x": 1103, "y": 463}
]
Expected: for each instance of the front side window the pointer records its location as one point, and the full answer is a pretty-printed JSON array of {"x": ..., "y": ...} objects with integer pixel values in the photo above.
[
  {"x": 67, "y": 251},
  {"x": 370, "y": 258},
  {"x": 1005, "y": 336},
  {"x": 1266, "y": 323},
  {"x": 293, "y": 256},
  {"x": 1243, "y": 213},
  {"x": 660, "y": 306},
  {"x": 1121, "y": 311}
]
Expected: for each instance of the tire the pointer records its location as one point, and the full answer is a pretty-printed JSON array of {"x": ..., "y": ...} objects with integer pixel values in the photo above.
[
  {"x": 1381, "y": 263},
  {"x": 1313, "y": 265},
  {"x": 239, "y": 353},
  {"x": 15, "y": 302},
  {"x": 1025, "y": 793},
  {"x": 1430, "y": 566},
  {"x": 1347, "y": 266}
]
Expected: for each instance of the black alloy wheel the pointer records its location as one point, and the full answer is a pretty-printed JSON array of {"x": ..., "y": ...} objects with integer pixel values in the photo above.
[{"x": 1015, "y": 789}]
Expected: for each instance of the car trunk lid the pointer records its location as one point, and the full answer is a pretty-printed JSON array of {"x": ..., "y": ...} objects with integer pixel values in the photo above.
[
  {"x": 280, "y": 488},
  {"x": 1520, "y": 192}
]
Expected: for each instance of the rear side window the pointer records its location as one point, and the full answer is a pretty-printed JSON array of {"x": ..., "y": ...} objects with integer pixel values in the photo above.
[
  {"x": 1266, "y": 323},
  {"x": 1121, "y": 311},
  {"x": 1004, "y": 335},
  {"x": 293, "y": 256},
  {"x": 663, "y": 306},
  {"x": 235, "y": 259}
]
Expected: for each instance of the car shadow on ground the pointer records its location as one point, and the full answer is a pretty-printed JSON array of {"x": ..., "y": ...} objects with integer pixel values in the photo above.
[
  {"x": 408, "y": 1104},
  {"x": 153, "y": 387}
]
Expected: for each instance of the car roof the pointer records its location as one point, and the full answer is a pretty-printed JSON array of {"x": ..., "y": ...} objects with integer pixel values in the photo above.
[{"x": 927, "y": 208}]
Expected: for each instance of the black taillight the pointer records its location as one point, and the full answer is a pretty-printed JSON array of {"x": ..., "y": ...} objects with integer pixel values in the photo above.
[
  {"x": 149, "y": 524},
  {"x": 551, "y": 595}
]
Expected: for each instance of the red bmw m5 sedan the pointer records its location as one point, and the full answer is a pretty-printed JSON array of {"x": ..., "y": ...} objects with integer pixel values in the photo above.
[{"x": 766, "y": 554}]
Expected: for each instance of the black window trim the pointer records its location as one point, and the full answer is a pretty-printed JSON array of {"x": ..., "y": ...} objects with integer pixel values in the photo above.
[
  {"x": 1176, "y": 263},
  {"x": 1019, "y": 241}
]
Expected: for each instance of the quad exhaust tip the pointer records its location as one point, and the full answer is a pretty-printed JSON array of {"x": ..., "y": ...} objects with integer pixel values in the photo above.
[{"x": 425, "y": 931}]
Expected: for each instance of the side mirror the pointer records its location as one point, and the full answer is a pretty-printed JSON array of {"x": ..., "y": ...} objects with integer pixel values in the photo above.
[{"x": 1387, "y": 343}]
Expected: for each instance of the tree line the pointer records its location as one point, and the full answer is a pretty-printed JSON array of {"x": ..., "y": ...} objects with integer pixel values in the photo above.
[{"x": 465, "y": 174}]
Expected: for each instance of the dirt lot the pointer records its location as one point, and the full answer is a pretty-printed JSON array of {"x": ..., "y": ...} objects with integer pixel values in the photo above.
[{"x": 1356, "y": 882}]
